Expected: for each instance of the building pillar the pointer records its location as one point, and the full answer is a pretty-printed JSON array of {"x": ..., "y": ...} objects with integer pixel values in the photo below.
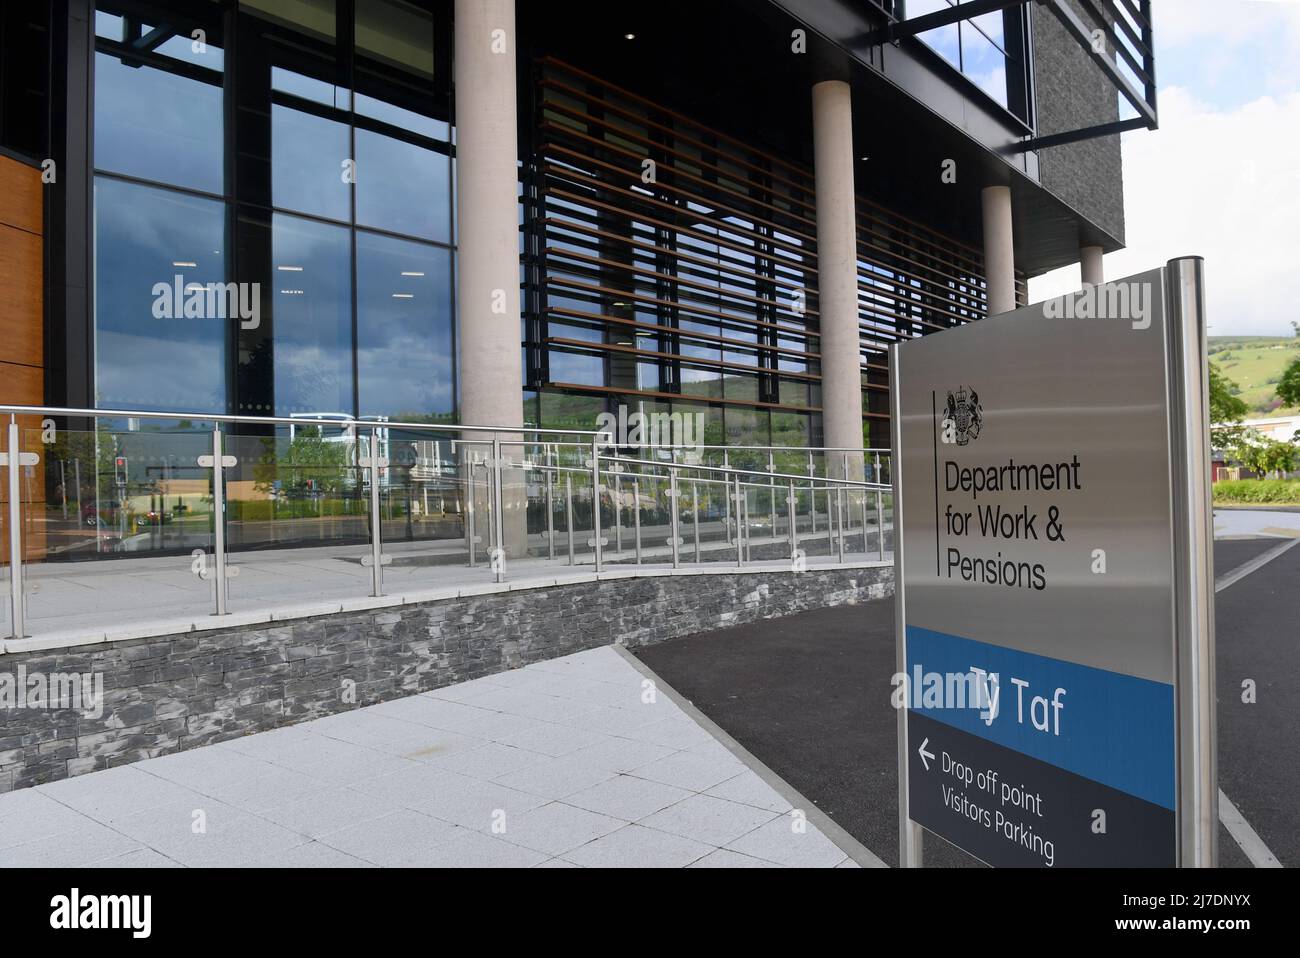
[
  {"x": 999, "y": 250},
  {"x": 1090, "y": 265},
  {"x": 487, "y": 213},
  {"x": 837, "y": 265},
  {"x": 487, "y": 261}
]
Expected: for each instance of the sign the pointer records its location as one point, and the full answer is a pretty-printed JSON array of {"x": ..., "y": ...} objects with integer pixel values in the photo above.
[{"x": 1051, "y": 489}]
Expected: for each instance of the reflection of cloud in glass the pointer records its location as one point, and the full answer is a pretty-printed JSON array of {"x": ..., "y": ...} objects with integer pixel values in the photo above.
[
  {"x": 312, "y": 329},
  {"x": 157, "y": 126},
  {"x": 143, "y": 362},
  {"x": 307, "y": 154},
  {"x": 405, "y": 352},
  {"x": 402, "y": 187}
]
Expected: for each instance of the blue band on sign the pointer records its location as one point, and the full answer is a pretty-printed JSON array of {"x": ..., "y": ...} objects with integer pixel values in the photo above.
[{"x": 1112, "y": 728}]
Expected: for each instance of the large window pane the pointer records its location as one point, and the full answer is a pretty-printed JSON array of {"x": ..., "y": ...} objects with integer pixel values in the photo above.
[
  {"x": 984, "y": 63},
  {"x": 158, "y": 125},
  {"x": 405, "y": 352},
  {"x": 307, "y": 155},
  {"x": 312, "y": 273},
  {"x": 401, "y": 187},
  {"x": 145, "y": 358}
]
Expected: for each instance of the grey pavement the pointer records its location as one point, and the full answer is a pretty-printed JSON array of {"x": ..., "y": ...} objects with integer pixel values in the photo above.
[{"x": 581, "y": 761}]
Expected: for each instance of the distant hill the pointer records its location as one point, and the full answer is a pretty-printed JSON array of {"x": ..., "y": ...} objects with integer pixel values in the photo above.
[{"x": 1255, "y": 364}]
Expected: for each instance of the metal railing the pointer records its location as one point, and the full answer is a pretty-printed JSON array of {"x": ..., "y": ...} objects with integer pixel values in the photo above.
[{"x": 533, "y": 491}]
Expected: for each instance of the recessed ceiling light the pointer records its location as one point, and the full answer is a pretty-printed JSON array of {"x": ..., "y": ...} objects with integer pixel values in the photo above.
[
  {"x": 412, "y": 274},
  {"x": 629, "y": 36},
  {"x": 289, "y": 269},
  {"x": 403, "y": 296},
  {"x": 185, "y": 263}
]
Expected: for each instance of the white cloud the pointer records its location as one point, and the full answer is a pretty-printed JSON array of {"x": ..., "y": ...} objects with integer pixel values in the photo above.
[{"x": 1221, "y": 184}]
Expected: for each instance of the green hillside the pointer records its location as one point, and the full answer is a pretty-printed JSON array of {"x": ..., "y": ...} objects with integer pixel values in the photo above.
[{"x": 1255, "y": 363}]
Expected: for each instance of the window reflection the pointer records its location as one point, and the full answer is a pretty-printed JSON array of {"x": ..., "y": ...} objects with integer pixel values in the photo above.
[
  {"x": 146, "y": 236},
  {"x": 158, "y": 125},
  {"x": 312, "y": 296},
  {"x": 307, "y": 155},
  {"x": 402, "y": 187},
  {"x": 404, "y": 329}
]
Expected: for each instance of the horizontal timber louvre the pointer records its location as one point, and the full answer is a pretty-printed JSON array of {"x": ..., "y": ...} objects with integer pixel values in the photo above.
[{"x": 672, "y": 266}]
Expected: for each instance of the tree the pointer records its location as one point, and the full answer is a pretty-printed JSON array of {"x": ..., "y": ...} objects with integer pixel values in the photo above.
[
  {"x": 1263, "y": 454},
  {"x": 1288, "y": 387},
  {"x": 1226, "y": 411}
]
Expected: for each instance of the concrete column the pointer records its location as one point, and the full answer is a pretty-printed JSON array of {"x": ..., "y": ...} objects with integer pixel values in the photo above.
[
  {"x": 487, "y": 211},
  {"x": 837, "y": 264},
  {"x": 999, "y": 250},
  {"x": 487, "y": 262},
  {"x": 1090, "y": 265}
]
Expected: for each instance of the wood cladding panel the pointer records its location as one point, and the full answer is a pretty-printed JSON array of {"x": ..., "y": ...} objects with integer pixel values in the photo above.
[{"x": 22, "y": 337}]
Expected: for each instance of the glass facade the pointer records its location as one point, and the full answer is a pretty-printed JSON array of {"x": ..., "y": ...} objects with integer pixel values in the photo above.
[
  {"x": 273, "y": 208},
  {"x": 988, "y": 49}
]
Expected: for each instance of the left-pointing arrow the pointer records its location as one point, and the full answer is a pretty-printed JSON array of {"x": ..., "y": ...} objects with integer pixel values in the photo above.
[{"x": 925, "y": 756}]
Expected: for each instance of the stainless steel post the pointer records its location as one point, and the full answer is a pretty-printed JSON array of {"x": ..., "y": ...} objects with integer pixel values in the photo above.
[
  {"x": 568, "y": 513},
  {"x": 595, "y": 503},
  {"x": 812, "y": 496},
  {"x": 839, "y": 510},
  {"x": 498, "y": 520},
  {"x": 726, "y": 463},
  {"x": 471, "y": 514},
  {"x": 550, "y": 507},
  {"x": 618, "y": 507},
  {"x": 771, "y": 491},
  {"x": 1198, "y": 791},
  {"x": 791, "y": 505},
  {"x": 695, "y": 517},
  {"x": 740, "y": 533},
  {"x": 674, "y": 517},
  {"x": 219, "y": 518},
  {"x": 17, "y": 610},
  {"x": 636, "y": 515},
  {"x": 376, "y": 526}
]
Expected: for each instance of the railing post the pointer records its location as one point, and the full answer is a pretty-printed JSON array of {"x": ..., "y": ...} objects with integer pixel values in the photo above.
[
  {"x": 568, "y": 512},
  {"x": 839, "y": 511},
  {"x": 695, "y": 517},
  {"x": 812, "y": 496},
  {"x": 219, "y": 518},
  {"x": 595, "y": 503},
  {"x": 471, "y": 516},
  {"x": 771, "y": 489},
  {"x": 498, "y": 520},
  {"x": 617, "y": 498},
  {"x": 880, "y": 522},
  {"x": 791, "y": 507},
  {"x": 740, "y": 534},
  {"x": 726, "y": 463},
  {"x": 672, "y": 514},
  {"x": 374, "y": 463},
  {"x": 550, "y": 506},
  {"x": 636, "y": 515},
  {"x": 16, "y": 595}
]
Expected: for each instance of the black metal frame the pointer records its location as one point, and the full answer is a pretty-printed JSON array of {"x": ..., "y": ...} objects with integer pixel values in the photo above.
[{"x": 1124, "y": 25}]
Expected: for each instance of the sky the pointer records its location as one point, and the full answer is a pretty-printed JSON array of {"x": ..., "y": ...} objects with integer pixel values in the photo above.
[{"x": 1220, "y": 178}]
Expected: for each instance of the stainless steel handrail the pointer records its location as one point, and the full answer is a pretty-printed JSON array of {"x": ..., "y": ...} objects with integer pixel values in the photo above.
[{"x": 736, "y": 482}]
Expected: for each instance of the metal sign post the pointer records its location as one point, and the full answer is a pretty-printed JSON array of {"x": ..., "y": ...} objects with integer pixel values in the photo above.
[{"x": 1055, "y": 620}]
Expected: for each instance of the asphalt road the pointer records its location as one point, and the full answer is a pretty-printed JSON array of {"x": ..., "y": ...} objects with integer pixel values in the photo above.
[{"x": 809, "y": 696}]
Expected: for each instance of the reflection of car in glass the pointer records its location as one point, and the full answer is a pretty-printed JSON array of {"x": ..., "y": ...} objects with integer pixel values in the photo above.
[
  {"x": 93, "y": 517},
  {"x": 153, "y": 518}
]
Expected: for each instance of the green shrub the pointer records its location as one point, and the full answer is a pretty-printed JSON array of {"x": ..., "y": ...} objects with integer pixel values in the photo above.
[{"x": 1258, "y": 490}]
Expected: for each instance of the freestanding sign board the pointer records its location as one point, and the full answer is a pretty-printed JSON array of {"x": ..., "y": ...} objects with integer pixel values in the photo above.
[{"x": 1055, "y": 626}]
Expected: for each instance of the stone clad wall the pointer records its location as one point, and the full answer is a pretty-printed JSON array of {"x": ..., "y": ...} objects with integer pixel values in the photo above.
[{"x": 170, "y": 693}]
